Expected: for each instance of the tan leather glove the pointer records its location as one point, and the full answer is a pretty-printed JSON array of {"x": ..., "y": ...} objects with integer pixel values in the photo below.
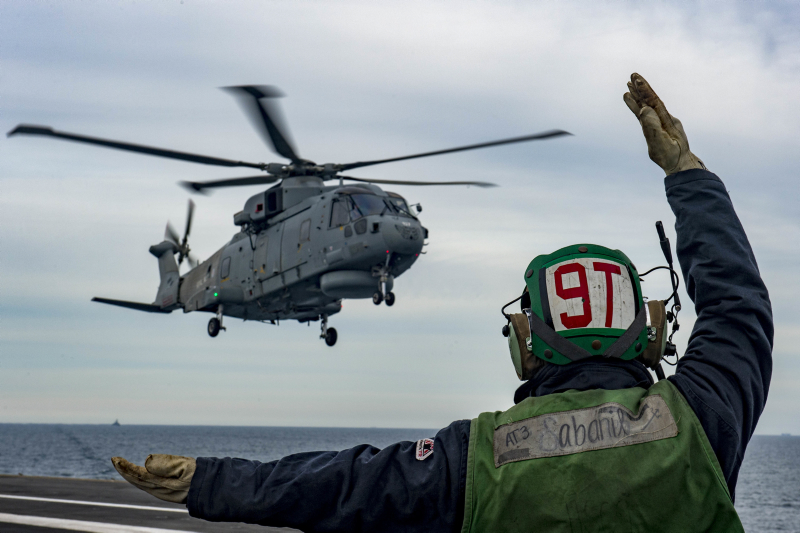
[
  {"x": 167, "y": 477},
  {"x": 666, "y": 141}
]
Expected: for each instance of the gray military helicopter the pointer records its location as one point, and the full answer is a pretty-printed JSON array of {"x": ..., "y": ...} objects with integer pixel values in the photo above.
[{"x": 303, "y": 246}]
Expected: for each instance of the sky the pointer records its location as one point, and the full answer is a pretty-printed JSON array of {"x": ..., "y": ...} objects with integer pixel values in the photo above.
[{"x": 365, "y": 80}]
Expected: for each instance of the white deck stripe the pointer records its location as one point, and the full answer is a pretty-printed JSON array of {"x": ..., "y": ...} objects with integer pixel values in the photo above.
[
  {"x": 99, "y": 504},
  {"x": 80, "y": 525}
]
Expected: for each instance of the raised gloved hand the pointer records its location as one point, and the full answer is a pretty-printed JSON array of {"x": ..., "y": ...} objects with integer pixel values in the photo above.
[
  {"x": 167, "y": 477},
  {"x": 666, "y": 141}
]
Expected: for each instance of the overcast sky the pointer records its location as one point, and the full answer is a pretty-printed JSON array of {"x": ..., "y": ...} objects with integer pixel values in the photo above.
[{"x": 365, "y": 80}]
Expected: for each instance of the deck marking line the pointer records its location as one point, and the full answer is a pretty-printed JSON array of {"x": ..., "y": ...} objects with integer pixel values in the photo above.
[
  {"x": 99, "y": 504},
  {"x": 80, "y": 525}
]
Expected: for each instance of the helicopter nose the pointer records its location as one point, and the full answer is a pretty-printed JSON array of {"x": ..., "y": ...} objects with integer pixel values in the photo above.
[{"x": 403, "y": 237}]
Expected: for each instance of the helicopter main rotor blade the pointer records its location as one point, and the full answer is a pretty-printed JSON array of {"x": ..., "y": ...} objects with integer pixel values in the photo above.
[
  {"x": 28, "y": 129},
  {"x": 259, "y": 106},
  {"x": 200, "y": 186},
  {"x": 149, "y": 308},
  {"x": 538, "y": 136},
  {"x": 404, "y": 182}
]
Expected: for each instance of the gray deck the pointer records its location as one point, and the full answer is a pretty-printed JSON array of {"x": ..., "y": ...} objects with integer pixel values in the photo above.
[{"x": 97, "y": 491}]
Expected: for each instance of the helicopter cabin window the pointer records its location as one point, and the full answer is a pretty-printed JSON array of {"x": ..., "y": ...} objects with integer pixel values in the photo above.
[
  {"x": 339, "y": 212},
  {"x": 226, "y": 268},
  {"x": 305, "y": 230}
]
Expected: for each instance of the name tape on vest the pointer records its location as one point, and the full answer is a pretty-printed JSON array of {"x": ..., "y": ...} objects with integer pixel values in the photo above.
[{"x": 608, "y": 425}]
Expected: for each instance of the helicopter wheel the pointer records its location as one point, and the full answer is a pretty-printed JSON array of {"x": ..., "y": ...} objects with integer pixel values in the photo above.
[
  {"x": 377, "y": 298},
  {"x": 331, "y": 336},
  {"x": 213, "y": 327},
  {"x": 389, "y": 299}
]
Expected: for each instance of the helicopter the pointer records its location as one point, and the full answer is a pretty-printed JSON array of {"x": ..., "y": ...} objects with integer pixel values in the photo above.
[{"x": 302, "y": 246}]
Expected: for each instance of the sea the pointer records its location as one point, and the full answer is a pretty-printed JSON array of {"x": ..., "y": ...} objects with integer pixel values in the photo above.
[{"x": 767, "y": 494}]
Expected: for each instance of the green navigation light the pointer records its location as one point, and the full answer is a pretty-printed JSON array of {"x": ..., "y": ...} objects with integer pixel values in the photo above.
[{"x": 216, "y": 294}]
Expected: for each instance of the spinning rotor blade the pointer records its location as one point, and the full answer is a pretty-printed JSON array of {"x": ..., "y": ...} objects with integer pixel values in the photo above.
[
  {"x": 200, "y": 186},
  {"x": 149, "y": 308},
  {"x": 264, "y": 113},
  {"x": 171, "y": 236},
  {"x": 130, "y": 147},
  {"x": 538, "y": 136},
  {"x": 192, "y": 260},
  {"x": 403, "y": 182},
  {"x": 189, "y": 216}
]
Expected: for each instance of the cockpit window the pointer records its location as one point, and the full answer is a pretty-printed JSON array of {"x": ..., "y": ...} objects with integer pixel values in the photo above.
[
  {"x": 368, "y": 204},
  {"x": 400, "y": 206}
]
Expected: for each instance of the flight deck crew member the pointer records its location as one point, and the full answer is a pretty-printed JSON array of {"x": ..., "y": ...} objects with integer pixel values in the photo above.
[{"x": 592, "y": 443}]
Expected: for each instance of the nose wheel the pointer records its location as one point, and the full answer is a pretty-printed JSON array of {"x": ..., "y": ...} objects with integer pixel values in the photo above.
[
  {"x": 382, "y": 295},
  {"x": 378, "y": 297},
  {"x": 215, "y": 324},
  {"x": 329, "y": 334}
]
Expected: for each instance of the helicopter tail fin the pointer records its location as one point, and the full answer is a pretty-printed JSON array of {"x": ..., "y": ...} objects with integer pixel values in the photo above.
[{"x": 167, "y": 296}]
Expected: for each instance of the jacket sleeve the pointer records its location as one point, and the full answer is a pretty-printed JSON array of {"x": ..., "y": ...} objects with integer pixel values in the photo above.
[
  {"x": 360, "y": 489},
  {"x": 726, "y": 370}
]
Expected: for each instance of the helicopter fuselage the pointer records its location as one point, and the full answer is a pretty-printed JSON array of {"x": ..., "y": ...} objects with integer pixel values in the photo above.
[{"x": 337, "y": 242}]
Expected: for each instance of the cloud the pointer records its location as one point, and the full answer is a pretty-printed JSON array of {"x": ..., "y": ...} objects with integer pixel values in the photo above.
[{"x": 364, "y": 80}]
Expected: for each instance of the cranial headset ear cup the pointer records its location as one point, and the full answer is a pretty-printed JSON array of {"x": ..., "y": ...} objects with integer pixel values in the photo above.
[
  {"x": 654, "y": 352},
  {"x": 525, "y": 363}
]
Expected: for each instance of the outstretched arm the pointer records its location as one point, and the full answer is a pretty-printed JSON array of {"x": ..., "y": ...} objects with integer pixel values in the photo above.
[
  {"x": 725, "y": 372},
  {"x": 360, "y": 489}
]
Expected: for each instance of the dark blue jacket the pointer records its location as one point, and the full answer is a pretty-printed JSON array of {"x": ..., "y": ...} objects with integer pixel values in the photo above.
[{"x": 724, "y": 376}]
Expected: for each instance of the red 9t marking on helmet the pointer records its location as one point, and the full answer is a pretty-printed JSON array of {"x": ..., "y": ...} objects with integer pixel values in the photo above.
[
  {"x": 609, "y": 269},
  {"x": 581, "y": 291}
]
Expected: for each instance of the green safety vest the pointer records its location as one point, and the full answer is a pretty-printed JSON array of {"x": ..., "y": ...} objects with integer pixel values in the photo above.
[{"x": 630, "y": 460}]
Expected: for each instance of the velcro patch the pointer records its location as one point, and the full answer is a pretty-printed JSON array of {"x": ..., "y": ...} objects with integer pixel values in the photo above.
[
  {"x": 424, "y": 449},
  {"x": 607, "y": 425}
]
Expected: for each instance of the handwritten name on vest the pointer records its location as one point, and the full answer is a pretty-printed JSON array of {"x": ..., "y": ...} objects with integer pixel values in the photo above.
[{"x": 594, "y": 428}]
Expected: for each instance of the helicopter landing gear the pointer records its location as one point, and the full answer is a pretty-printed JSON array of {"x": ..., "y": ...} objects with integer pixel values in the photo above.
[
  {"x": 329, "y": 334},
  {"x": 378, "y": 297},
  {"x": 389, "y": 299},
  {"x": 382, "y": 294},
  {"x": 215, "y": 324}
]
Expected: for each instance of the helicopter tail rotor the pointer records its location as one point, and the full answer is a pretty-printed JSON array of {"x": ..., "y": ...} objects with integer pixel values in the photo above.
[{"x": 182, "y": 245}]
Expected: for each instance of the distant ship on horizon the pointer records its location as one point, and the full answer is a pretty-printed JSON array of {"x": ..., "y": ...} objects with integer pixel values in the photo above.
[{"x": 116, "y": 422}]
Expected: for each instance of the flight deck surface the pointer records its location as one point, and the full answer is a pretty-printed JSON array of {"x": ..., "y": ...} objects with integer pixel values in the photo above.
[{"x": 49, "y": 504}]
